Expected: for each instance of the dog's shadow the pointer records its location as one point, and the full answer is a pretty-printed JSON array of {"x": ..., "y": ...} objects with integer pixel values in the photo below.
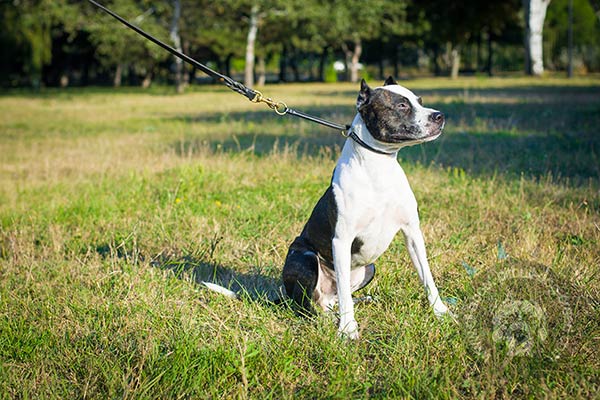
[{"x": 254, "y": 285}]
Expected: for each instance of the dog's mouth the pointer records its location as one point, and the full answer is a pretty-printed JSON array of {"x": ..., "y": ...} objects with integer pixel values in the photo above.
[
  {"x": 434, "y": 133},
  {"x": 431, "y": 134}
]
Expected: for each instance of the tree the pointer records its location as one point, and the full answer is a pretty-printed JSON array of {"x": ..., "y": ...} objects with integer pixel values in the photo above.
[
  {"x": 586, "y": 35},
  {"x": 212, "y": 31},
  {"x": 26, "y": 37},
  {"x": 453, "y": 26},
  {"x": 535, "y": 13},
  {"x": 176, "y": 39},
  {"x": 354, "y": 22},
  {"x": 259, "y": 11},
  {"x": 118, "y": 48},
  {"x": 253, "y": 20},
  {"x": 596, "y": 6}
]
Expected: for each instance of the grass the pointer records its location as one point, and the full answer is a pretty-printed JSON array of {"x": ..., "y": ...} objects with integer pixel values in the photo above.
[{"x": 114, "y": 204}]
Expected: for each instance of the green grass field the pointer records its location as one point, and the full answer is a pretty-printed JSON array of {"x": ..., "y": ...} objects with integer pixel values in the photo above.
[{"x": 114, "y": 204}]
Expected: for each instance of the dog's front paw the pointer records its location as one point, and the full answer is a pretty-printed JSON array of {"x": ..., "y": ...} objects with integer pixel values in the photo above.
[
  {"x": 348, "y": 330},
  {"x": 441, "y": 311}
]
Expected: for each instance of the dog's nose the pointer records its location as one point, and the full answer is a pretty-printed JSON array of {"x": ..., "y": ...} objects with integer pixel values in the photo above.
[{"x": 437, "y": 117}]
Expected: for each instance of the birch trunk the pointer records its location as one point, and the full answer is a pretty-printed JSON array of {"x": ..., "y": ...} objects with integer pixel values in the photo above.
[
  {"x": 455, "y": 62},
  {"x": 118, "y": 75},
  {"x": 535, "y": 13},
  {"x": 176, "y": 39},
  {"x": 352, "y": 59},
  {"x": 250, "y": 43},
  {"x": 354, "y": 64},
  {"x": 262, "y": 71},
  {"x": 147, "y": 79}
]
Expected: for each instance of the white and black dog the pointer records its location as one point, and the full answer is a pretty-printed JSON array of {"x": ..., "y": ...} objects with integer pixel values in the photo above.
[{"x": 368, "y": 201}]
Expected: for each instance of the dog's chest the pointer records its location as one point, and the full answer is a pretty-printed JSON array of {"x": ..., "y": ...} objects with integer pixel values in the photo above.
[
  {"x": 373, "y": 237},
  {"x": 374, "y": 201}
]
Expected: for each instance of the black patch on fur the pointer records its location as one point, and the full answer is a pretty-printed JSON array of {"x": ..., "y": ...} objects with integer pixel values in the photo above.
[
  {"x": 320, "y": 228},
  {"x": 357, "y": 244},
  {"x": 389, "y": 117},
  {"x": 364, "y": 94},
  {"x": 300, "y": 275},
  {"x": 313, "y": 246}
]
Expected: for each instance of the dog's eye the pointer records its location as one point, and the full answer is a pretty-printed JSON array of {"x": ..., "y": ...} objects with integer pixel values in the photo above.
[{"x": 404, "y": 106}]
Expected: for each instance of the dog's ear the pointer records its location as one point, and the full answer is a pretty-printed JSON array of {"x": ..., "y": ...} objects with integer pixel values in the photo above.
[
  {"x": 364, "y": 95},
  {"x": 389, "y": 81}
]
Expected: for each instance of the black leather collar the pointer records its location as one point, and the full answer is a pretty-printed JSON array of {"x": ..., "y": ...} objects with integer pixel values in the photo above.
[{"x": 362, "y": 143}]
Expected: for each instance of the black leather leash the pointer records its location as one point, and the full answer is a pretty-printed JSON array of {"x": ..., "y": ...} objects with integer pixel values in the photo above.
[{"x": 253, "y": 95}]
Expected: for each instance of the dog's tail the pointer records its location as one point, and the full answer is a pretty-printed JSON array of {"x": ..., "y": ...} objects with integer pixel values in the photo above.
[
  {"x": 278, "y": 299},
  {"x": 222, "y": 290}
]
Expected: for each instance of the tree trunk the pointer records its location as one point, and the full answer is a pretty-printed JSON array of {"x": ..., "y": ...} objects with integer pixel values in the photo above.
[
  {"x": 535, "y": 13},
  {"x": 283, "y": 65},
  {"x": 176, "y": 39},
  {"x": 490, "y": 58},
  {"x": 570, "y": 41},
  {"x": 294, "y": 65},
  {"x": 381, "y": 61},
  {"x": 322, "y": 64},
  {"x": 437, "y": 70},
  {"x": 347, "y": 62},
  {"x": 187, "y": 70},
  {"x": 354, "y": 60},
  {"x": 118, "y": 75},
  {"x": 250, "y": 42},
  {"x": 396, "y": 63},
  {"x": 262, "y": 71},
  {"x": 64, "y": 80},
  {"x": 455, "y": 62},
  {"x": 147, "y": 81},
  {"x": 228, "y": 64},
  {"x": 478, "y": 55}
]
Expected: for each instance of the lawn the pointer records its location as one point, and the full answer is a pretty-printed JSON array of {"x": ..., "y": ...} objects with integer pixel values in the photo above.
[{"x": 115, "y": 204}]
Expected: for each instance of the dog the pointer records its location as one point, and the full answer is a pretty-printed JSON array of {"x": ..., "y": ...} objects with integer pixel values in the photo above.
[{"x": 367, "y": 202}]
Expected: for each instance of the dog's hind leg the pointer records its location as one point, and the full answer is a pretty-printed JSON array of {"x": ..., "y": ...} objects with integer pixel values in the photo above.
[
  {"x": 300, "y": 274},
  {"x": 325, "y": 294},
  {"x": 361, "y": 277}
]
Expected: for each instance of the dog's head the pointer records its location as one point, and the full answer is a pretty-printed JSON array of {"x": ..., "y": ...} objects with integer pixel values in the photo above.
[{"x": 393, "y": 114}]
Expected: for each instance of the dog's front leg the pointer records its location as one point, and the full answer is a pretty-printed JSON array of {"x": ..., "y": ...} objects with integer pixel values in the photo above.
[
  {"x": 341, "y": 260},
  {"x": 416, "y": 249}
]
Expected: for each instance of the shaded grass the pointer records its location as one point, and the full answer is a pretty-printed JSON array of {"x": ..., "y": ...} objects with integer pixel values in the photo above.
[{"x": 113, "y": 206}]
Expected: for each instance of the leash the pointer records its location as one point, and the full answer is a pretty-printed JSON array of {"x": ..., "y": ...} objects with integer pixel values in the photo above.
[{"x": 253, "y": 95}]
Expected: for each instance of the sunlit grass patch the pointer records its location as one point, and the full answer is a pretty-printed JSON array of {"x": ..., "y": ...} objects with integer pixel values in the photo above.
[{"x": 114, "y": 205}]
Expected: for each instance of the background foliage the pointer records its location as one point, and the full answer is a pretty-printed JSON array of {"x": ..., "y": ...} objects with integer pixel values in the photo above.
[{"x": 67, "y": 42}]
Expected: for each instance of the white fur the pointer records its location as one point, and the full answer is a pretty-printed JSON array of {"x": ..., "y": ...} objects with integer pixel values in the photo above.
[
  {"x": 374, "y": 201},
  {"x": 220, "y": 289}
]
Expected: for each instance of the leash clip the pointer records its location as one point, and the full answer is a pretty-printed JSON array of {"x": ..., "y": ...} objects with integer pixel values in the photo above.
[{"x": 280, "y": 107}]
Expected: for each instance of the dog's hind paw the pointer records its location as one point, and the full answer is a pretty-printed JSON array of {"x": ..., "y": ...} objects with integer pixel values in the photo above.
[{"x": 363, "y": 299}]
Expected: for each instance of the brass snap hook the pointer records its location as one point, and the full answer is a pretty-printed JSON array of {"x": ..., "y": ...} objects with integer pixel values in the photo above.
[{"x": 279, "y": 107}]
